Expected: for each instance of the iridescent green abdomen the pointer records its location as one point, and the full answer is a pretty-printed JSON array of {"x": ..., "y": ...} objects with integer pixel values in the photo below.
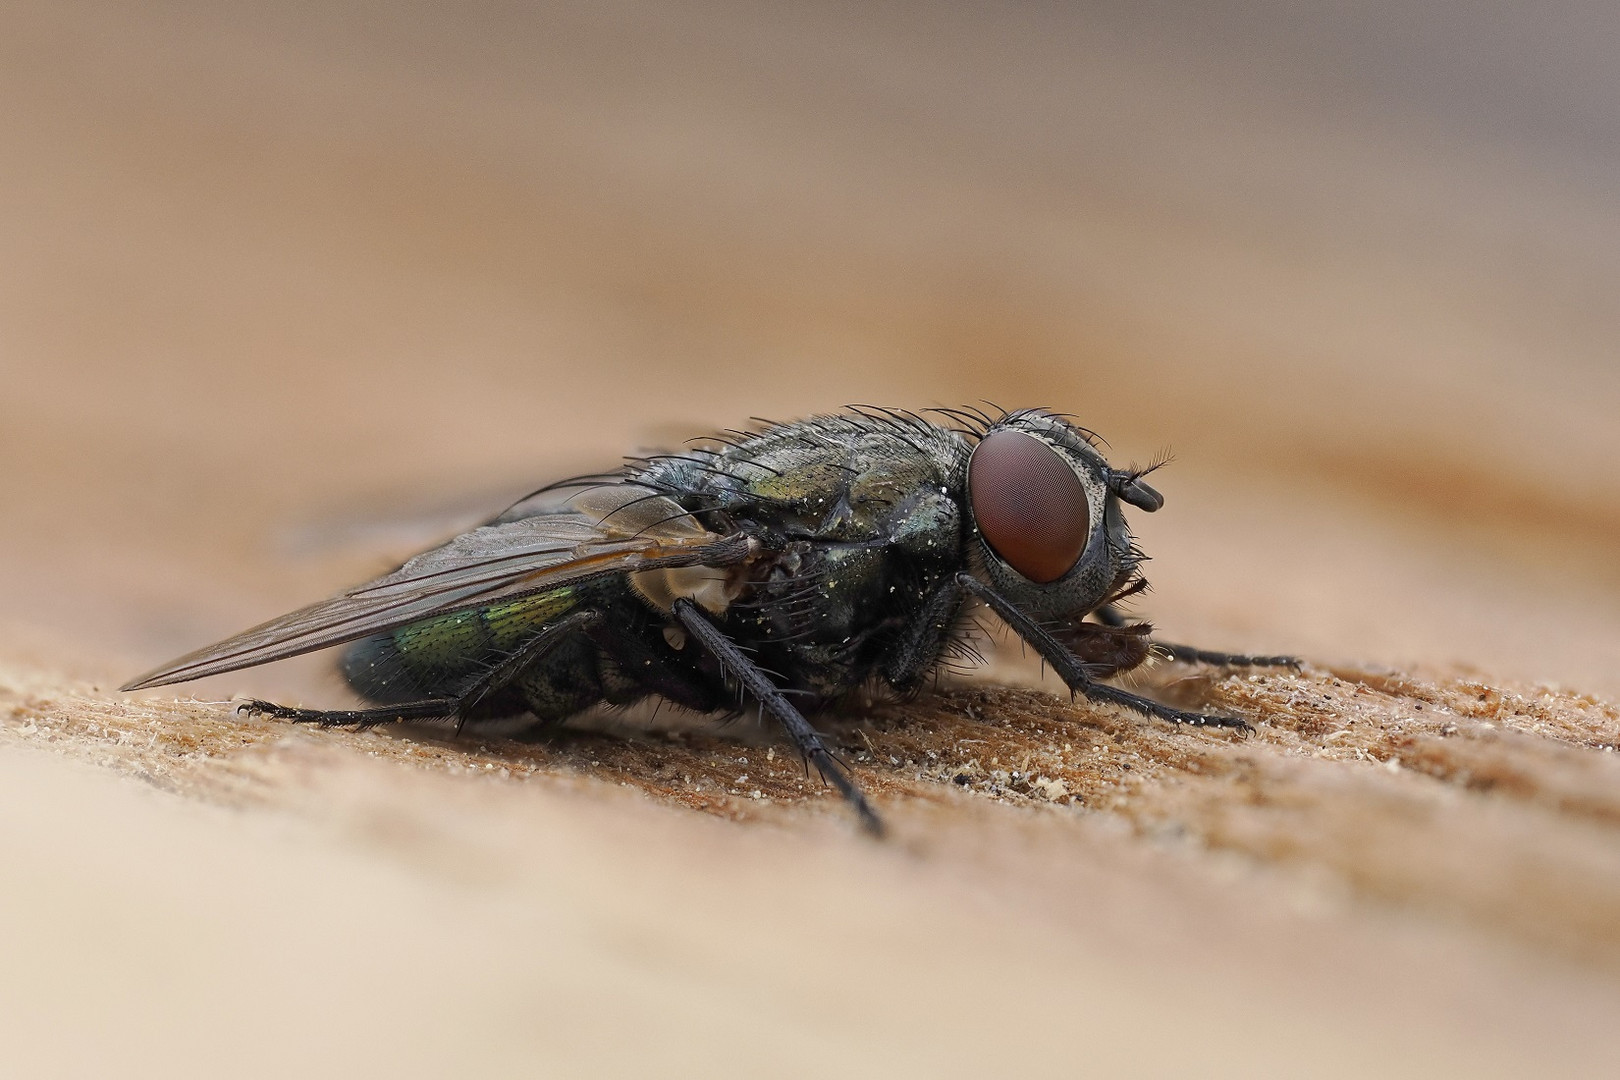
[{"x": 439, "y": 657}]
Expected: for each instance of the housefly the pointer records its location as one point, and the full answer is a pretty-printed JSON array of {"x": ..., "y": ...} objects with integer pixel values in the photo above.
[{"x": 795, "y": 563}]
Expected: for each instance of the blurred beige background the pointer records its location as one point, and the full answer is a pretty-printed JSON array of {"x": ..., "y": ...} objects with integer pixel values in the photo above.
[
  {"x": 285, "y": 268},
  {"x": 289, "y": 290}
]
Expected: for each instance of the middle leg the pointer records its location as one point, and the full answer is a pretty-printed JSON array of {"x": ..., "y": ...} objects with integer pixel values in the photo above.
[
  {"x": 459, "y": 707},
  {"x": 770, "y": 697}
]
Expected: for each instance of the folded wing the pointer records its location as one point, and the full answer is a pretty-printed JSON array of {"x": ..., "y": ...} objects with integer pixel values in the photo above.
[{"x": 612, "y": 528}]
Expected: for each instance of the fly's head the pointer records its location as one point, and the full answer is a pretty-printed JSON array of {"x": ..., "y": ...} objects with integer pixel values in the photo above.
[{"x": 1047, "y": 530}]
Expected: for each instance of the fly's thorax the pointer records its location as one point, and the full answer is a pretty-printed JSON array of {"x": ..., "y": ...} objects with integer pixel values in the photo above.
[
  {"x": 831, "y": 605},
  {"x": 928, "y": 524},
  {"x": 1045, "y": 496},
  {"x": 835, "y": 477}
]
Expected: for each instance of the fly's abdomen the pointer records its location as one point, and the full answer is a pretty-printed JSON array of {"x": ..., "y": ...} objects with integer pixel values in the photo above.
[{"x": 441, "y": 656}]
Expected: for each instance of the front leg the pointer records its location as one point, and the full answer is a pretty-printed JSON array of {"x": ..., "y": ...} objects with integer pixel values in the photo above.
[
  {"x": 1186, "y": 654},
  {"x": 1110, "y": 616},
  {"x": 1081, "y": 677}
]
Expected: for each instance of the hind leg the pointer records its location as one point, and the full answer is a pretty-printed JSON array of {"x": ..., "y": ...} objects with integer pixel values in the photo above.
[{"x": 464, "y": 706}]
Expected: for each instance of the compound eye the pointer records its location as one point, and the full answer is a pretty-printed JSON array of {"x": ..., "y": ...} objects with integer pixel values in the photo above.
[{"x": 1029, "y": 504}]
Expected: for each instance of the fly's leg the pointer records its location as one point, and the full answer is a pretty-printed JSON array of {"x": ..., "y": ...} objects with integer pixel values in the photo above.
[
  {"x": 1109, "y": 615},
  {"x": 359, "y": 719},
  {"x": 459, "y": 708},
  {"x": 737, "y": 664},
  {"x": 1080, "y": 677},
  {"x": 652, "y": 672},
  {"x": 1101, "y": 650},
  {"x": 1186, "y": 654},
  {"x": 919, "y": 646}
]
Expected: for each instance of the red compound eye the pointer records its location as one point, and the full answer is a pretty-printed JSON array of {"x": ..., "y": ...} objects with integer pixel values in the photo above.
[{"x": 1029, "y": 504}]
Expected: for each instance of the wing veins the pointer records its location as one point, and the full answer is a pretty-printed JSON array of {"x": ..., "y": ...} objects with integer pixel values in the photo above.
[{"x": 474, "y": 576}]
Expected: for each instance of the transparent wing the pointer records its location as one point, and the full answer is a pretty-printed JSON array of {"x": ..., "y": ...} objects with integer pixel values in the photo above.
[{"x": 607, "y": 529}]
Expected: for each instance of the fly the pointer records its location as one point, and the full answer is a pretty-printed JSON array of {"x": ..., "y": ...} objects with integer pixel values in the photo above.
[{"x": 796, "y": 563}]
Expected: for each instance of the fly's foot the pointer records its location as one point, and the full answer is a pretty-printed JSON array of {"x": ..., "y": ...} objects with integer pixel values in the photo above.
[
  {"x": 358, "y": 719},
  {"x": 287, "y": 712},
  {"x": 1192, "y": 719},
  {"x": 1148, "y": 707},
  {"x": 278, "y": 712},
  {"x": 1186, "y": 654}
]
